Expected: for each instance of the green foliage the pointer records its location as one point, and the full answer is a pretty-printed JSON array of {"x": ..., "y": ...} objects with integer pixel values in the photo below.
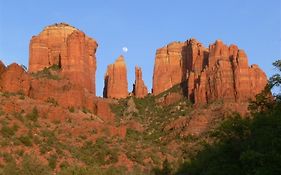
[
  {"x": 245, "y": 145},
  {"x": 26, "y": 140},
  {"x": 133, "y": 134},
  {"x": 96, "y": 154},
  {"x": 47, "y": 73},
  {"x": 32, "y": 166},
  {"x": 75, "y": 170},
  {"x": 52, "y": 160},
  {"x": 10, "y": 169},
  {"x": 118, "y": 109},
  {"x": 33, "y": 115},
  {"x": 8, "y": 94},
  {"x": 175, "y": 88},
  {"x": 7, "y": 131},
  {"x": 85, "y": 110},
  {"x": 71, "y": 109},
  {"x": 52, "y": 101},
  {"x": 166, "y": 169},
  {"x": 1, "y": 112}
]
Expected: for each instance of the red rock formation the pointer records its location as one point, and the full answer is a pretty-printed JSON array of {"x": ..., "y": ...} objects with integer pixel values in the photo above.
[
  {"x": 14, "y": 79},
  {"x": 62, "y": 91},
  {"x": 168, "y": 67},
  {"x": 115, "y": 83},
  {"x": 102, "y": 109},
  {"x": 139, "y": 90},
  {"x": 228, "y": 76},
  {"x": 2, "y": 67},
  {"x": 174, "y": 61},
  {"x": 220, "y": 72},
  {"x": 69, "y": 48}
]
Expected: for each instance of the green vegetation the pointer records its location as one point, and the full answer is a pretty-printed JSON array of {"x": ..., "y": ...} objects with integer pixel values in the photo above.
[
  {"x": 26, "y": 140},
  {"x": 239, "y": 145},
  {"x": 30, "y": 165},
  {"x": 85, "y": 110},
  {"x": 7, "y": 131},
  {"x": 33, "y": 115},
  {"x": 52, "y": 160},
  {"x": 52, "y": 101},
  {"x": 245, "y": 145},
  {"x": 48, "y": 73},
  {"x": 71, "y": 109},
  {"x": 101, "y": 153}
]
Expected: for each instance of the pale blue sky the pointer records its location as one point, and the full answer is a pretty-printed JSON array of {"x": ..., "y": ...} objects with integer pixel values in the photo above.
[{"x": 145, "y": 25}]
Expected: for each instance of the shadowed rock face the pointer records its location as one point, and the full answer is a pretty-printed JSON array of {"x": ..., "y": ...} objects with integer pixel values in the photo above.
[
  {"x": 115, "y": 82},
  {"x": 220, "y": 72},
  {"x": 139, "y": 89},
  {"x": 70, "y": 49}
]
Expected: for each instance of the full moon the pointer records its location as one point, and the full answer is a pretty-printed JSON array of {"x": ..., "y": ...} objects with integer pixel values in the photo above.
[{"x": 125, "y": 49}]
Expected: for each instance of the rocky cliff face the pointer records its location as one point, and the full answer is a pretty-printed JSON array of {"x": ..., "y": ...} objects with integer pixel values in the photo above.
[
  {"x": 70, "y": 49},
  {"x": 217, "y": 73},
  {"x": 173, "y": 62},
  {"x": 115, "y": 80},
  {"x": 139, "y": 89},
  {"x": 14, "y": 79},
  {"x": 70, "y": 83}
]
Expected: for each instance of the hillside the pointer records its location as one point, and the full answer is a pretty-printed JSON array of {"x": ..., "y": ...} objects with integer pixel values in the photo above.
[{"x": 52, "y": 122}]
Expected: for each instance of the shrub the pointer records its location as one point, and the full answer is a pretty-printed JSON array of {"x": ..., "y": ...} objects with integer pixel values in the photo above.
[
  {"x": 19, "y": 116},
  {"x": 7, "y": 131},
  {"x": 31, "y": 165},
  {"x": 1, "y": 112},
  {"x": 71, "y": 109},
  {"x": 52, "y": 101},
  {"x": 86, "y": 110},
  {"x": 46, "y": 73},
  {"x": 26, "y": 140},
  {"x": 33, "y": 115},
  {"x": 52, "y": 160}
]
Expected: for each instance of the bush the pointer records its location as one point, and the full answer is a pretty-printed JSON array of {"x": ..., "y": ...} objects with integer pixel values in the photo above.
[
  {"x": 26, "y": 140},
  {"x": 33, "y": 115},
  {"x": 85, "y": 110},
  {"x": 46, "y": 73},
  {"x": 71, "y": 109},
  {"x": 52, "y": 101},
  {"x": 32, "y": 166},
  {"x": 7, "y": 131},
  {"x": 52, "y": 160}
]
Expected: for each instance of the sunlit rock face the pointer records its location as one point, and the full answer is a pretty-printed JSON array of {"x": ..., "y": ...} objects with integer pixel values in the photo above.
[
  {"x": 115, "y": 80},
  {"x": 219, "y": 72},
  {"x": 70, "y": 49},
  {"x": 14, "y": 78},
  {"x": 139, "y": 89}
]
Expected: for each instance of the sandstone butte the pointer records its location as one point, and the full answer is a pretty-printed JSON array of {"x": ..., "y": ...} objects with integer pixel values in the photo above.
[
  {"x": 139, "y": 88},
  {"x": 74, "y": 53},
  {"x": 70, "y": 49},
  {"x": 219, "y": 72},
  {"x": 115, "y": 80}
]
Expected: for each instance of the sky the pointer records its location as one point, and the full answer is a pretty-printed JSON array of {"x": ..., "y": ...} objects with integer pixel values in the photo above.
[{"x": 143, "y": 26}]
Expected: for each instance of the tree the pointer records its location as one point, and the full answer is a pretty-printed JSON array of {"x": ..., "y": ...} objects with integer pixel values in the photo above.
[{"x": 245, "y": 146}]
